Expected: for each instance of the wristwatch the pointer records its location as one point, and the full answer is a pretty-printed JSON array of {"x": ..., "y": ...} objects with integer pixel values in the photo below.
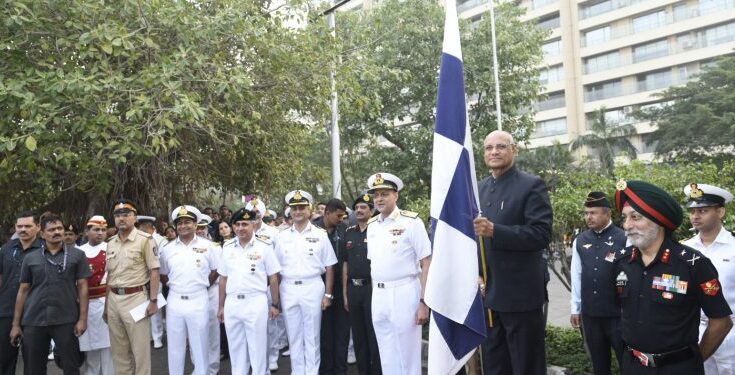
[
  {"x": 276, "y": 306},
  {"x": 155, "y": 300},
  {"x": 329, "y": 296}
]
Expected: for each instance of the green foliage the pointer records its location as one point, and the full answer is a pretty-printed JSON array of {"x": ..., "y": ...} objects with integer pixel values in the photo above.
[
  {"x": 550, "y": 163},
  {"x": 607, "y": 140},
  {"x": 567, "y": 197},
  {"x": 565, "y": 348},
  {"x": 153, "y": 100},
  {"x": 698, "y": 122},
  {"x": 391, "y": 56}
]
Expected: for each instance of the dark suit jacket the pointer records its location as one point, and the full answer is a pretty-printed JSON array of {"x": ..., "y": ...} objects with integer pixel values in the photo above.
[{"x": 518, "y": 205}]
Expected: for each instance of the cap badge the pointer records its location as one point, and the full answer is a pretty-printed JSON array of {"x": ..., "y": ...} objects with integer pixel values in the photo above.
[
  {"x": 621, "y": 185},
  {"x": 696, "y": 192},
  {"x": 120, "y": 205},
  {"x": 183, "y": 211},
  {"x": 254, "y": 202},
  {"x": 366, "y": 198},
  {"x": 246, "y": 216},
  {"x": 71, "y": 227},
  {"x": 297, "y": 195},
  {"x": 379, "y": 179}
]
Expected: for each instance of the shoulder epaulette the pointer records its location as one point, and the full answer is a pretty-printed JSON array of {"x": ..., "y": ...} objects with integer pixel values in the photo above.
[
  {"x": 263, "y": 239},
  {"x": 410, "y": 214},
  {"x": 144, "y": 234},
  {"x": 351, "y": 227},
  {"x": 320, "y": 228},
  {"x": 112, "y": 238},
  {"x": 373, "y": 219},
  {"x": 231, "y": 240},
  {"x": 688, "y": 254},
  {"x": 685, "y": 240},
  {"x": 623, "y": 253}
]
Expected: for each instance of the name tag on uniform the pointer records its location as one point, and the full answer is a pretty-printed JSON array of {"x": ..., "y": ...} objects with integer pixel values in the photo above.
[
  {"x": 254, "y": 256},
  {"x": 610, "y": 257},
  {"x": 200, "y": 250},
  {"x": 397, "y": 231},
  {"x": 312, "y": 239},
  {"x": 670, "y": 283}
]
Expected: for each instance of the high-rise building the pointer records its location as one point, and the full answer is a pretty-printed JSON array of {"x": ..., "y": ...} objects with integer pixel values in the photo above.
[{"x": 615, "y": 54}]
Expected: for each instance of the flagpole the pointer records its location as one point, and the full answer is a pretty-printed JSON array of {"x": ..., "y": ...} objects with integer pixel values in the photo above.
[
  {"x": 483, "y": 257},
  {"x": 336, "y": 170},
  {"x": 499, "y": 114}
]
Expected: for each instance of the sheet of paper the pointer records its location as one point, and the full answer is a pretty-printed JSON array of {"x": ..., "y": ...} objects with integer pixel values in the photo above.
[{"x": 138, "y": 312}]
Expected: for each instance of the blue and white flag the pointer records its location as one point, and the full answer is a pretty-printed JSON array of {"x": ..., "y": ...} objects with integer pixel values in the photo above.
[{"x": 457, "y": 325}]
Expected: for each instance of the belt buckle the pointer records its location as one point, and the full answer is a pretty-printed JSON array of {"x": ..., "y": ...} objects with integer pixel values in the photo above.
[
  {"x": 185, "y": 297},
  {"x": 381, "y": 285},
  {"x": 645, "y": 359},
  {"x": 298, "y": 282},
  {"x": 357, "y": 282},
  {"x": 120, "y": 291},
  {"x": 240, "y": 296}
]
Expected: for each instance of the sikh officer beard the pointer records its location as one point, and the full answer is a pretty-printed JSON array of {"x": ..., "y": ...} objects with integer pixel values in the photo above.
[{"x": 642, "y": 238}]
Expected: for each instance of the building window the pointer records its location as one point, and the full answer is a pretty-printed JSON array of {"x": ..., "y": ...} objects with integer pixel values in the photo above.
[
  {"x": 648, "y": 143},
  {"x": 649, "y": 21},
  {"x": 553, "y": 100},
  {"x": 681, "y": 12},
  {"x": 654, "y": 80},
  {"x": 719, "y": 34},
  {"x": 552, "y": 48},
  {"x": 617, "y": 116},
  {"x": 595, "y": 8},
  {"x": 651, "y": 50},
  {"x": 711, "y": 6},
  {"x": 540, "y": 3},
  {"x": 549, "y": 22},
  {"x": 601, "y": 62},
  {"x": 603, "y": 90},
  {"x": 551, "y": 75},
  {"x": 550, "y": 127},
  {"x": 596, "y": 36}
]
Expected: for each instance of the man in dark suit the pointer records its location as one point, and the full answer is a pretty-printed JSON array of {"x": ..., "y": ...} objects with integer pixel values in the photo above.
[{"x": 515, "y": 226}]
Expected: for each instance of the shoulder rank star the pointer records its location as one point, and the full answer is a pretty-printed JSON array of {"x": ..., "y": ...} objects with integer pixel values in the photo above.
[
  {"x": 622, "y": 251},
  {"x": 587, "y": 245}
]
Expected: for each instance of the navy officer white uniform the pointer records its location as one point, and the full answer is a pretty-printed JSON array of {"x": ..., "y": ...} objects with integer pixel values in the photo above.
[
  {"x": 397, "y": 245},
  {"x": 188, "y": 266},
  {"x": 248, "y": 264},
  {"x": 305, "y": 253},
  {"x": 706, "y": 207},
  {"x": 213, "y": 342},
  {"x": 276, "y": 327}
]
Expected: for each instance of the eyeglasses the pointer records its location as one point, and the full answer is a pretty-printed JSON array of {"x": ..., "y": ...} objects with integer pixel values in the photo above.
[{"x": 500, "y": 147}]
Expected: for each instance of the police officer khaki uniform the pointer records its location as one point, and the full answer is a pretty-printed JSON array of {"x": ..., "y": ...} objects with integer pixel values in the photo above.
[
  {"x": 662, "y": 285},
  {"x": 157, "y": 318},
  {"x": 397, "y": 243},
  {"x": 132, "y": 264},
  {"x": 304, "y": 253},
  {"x": 706, "y": 211},
  {"x": 276, "y": 327},
  {"x": 358, "y": 288},
  {"x": 248, "y": 264},
  {"x": 95, "y": 342},
  {"x": 593, "y": 301},
  {"x": 187, "y": 265}
]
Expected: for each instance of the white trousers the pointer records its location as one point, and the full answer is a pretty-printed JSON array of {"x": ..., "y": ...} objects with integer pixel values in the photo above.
[
  {"x": 276, "y": 335},
  {"x": 394, "y": 320},
  {"x": 187, "y": 316},
  {"x": 98, "y": 362},
  {"x": 213, "y": 328},
  {"x": 302, "y": 308},
  {"x": 157, "y": 322},
  {"x": 723, "y": 361},
  {"x": 246, "y": 322}
]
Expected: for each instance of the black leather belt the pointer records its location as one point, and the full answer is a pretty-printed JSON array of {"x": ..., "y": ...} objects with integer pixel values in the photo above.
[
  {"x": 125, "y": 291},
  {"x": 360, "y": 282},
  {"x": 661, "y": 359}
]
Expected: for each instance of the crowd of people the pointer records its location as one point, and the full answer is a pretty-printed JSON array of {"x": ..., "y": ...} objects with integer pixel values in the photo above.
[{"x": 250, "y": 283}]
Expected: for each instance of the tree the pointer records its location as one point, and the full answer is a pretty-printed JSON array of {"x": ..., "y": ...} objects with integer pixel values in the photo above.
[
  {"x": 550, "y": 163},
  {"x": 391, "y": 56},
  {"x": 608, "y": 140},
  {"x": 153, "y": 101},
  {"x": 697, "y": 121}
]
